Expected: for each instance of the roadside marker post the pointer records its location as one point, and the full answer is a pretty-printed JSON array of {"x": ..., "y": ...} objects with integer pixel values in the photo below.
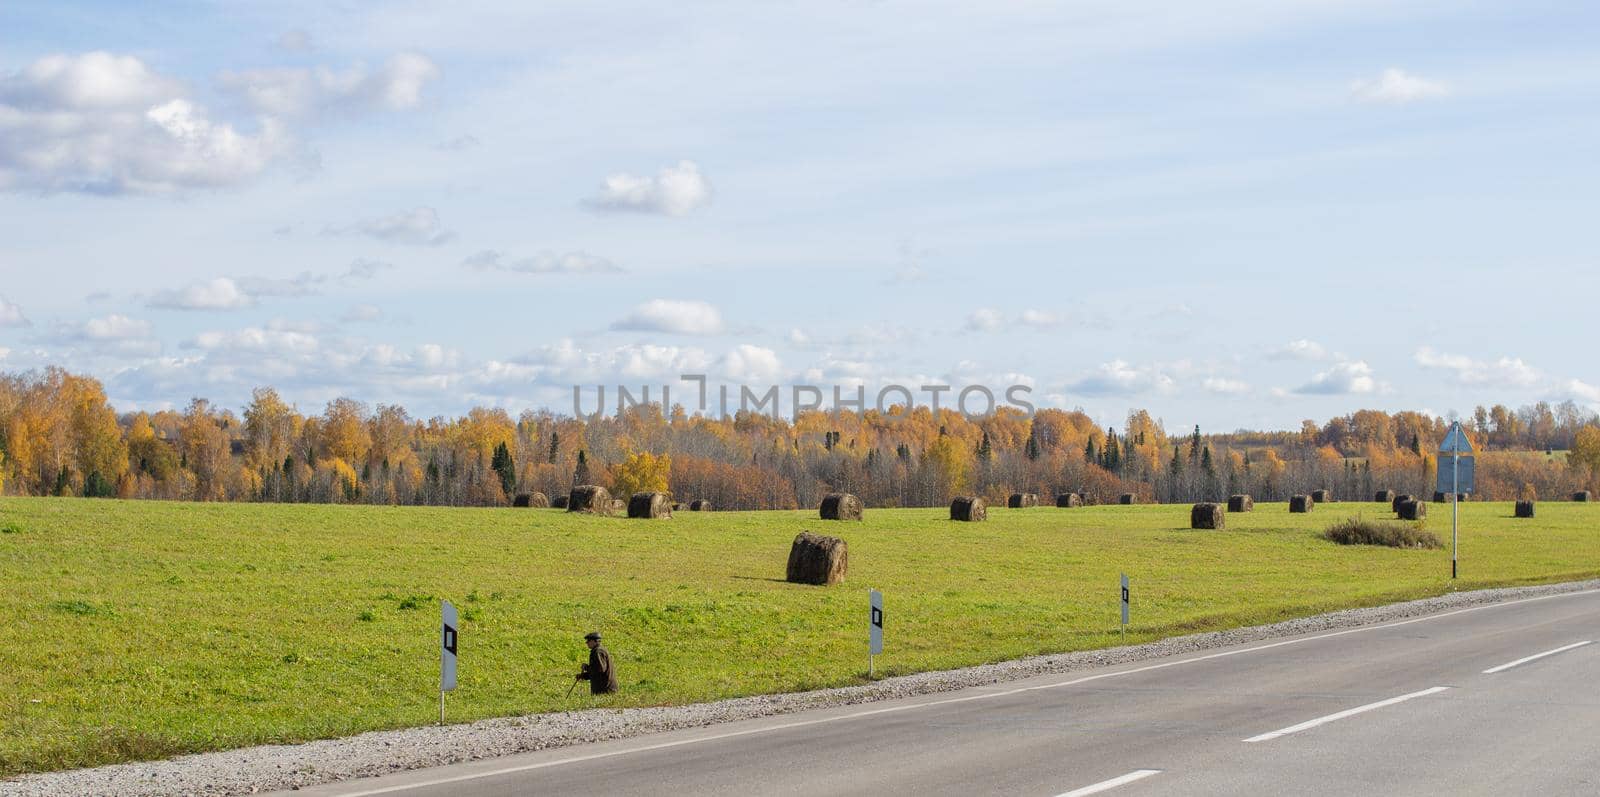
[
  {"x": 447, "y": 653},
  {"x": 874, "y": 628},
  {"x": 1124, "y": 607},
  {"x": 1460, "y": 478}
]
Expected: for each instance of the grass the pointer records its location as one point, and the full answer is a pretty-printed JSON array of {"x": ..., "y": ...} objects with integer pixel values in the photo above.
[
  {"x": 1357, "y": 531},
  {"x": 146, "y": 629}
]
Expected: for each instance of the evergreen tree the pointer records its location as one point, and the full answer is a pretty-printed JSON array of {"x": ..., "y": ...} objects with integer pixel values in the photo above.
[
  {"x": 1416, "y": 444},
  {"x": 1176, "y": 466},
  {"x": 1032, "y": 449},
  {"x": 985, "y": 451},
  {"x": 1089, "y": 455},
  {"x": 580, "y": 474},
  {"x": 1205, "y": 463},
  {"x": 1113, "y": 455},
  {"x": 555, "y": 445},
  {"x": 1194, "y": 445},
  {"x": 503, "y": 464}
]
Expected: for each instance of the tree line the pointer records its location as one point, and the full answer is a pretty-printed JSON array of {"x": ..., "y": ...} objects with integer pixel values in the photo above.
[{"x": 60, "y": 436}]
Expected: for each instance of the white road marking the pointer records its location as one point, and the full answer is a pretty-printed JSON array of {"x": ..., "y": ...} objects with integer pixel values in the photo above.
[
  {"x": 944, "y": 701},
  {"x": 1309, "y": 724},
  {"x": 1107, "y": 785},
  {"x": 1535, "y": 657}
]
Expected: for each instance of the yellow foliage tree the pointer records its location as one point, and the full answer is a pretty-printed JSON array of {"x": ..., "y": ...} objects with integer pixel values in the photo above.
[
  {"x": 641, "y": 473},
  {"x": 950, "y": 463},
  {"x": 1586, "y": 449}
]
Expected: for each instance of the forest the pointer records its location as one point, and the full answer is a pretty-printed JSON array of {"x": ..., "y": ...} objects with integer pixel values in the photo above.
[{"x": 59, "y": 436}]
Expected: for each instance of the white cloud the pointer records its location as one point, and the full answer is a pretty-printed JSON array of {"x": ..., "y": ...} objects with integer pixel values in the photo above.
[
  {"x": 305, "y": 92},
  {"x": 1506, "y": 372},
  {"x": 751, "y": 364},
  {"x": 1581, "y": 391},
  {"x": 1040, "y": 319},
  {"x": 1397, "y": 87},
  {"x": 543, "y": 263},
  {"x": 1344, "y": 378},
  {"x": 1225, "y": 387},
  {"x": 984, "y": 319},
  {"x": 674, "y": 191},
  {"x": 673, "y": 316},
  {"x": 116, "y": 327},
  {"x": 1299, "y": 350},
  {"x": 419, "y": 227},
  {"x": 221, "y": 293},
  {"x": 103, "y": 123},
  {"x": 255, "y": 341},
  {"x": 1120, "y": 378},
  {"x": 114, "y": 334},
  {"x": 11, "y": 315}
]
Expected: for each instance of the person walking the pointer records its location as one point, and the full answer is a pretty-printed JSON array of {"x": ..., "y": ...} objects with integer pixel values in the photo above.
[{"x": 598, "y": 672}]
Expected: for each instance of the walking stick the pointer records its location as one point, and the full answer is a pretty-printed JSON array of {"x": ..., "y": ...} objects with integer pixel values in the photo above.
[{"x": 570, "y": 688}]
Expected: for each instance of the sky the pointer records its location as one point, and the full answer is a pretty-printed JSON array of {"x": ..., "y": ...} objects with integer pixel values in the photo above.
[{"x": 1237, "y": 214}]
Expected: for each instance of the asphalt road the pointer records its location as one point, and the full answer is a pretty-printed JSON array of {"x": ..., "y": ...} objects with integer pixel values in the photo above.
[{"x": 1422, "y": 706}]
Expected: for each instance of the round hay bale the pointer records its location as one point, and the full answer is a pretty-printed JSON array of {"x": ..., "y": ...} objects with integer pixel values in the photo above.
[
  {"x": 969, "y": 508},
  {"x": 1413, "y": 510},
  {"x": 1207, "y": 516},
  {"x": 560, "y": 502},
  {"x": 1582, "y": 496},
  {"x": 817, "y": 559},
  {"x": 1126, "y": 499},
  {"x": 841, "y": 506},
  {"x": 590, "y": 498},
  {"x": 522, "y": 501},
  {"x": 1438, "y": 497},
  {"x": 1398, "y": 500},
  {"x": 1383, "y": 497},
  {"x": 699, "y": 505},
  {"x": 1322, "y": 496},
  {"x": 1241, "y": 503},
  {"x": 679, "y": 507},
  {"x": 533, "y": 500},
  {"x": 1022, "y": 500},
  {"x": 1069, "y": 500},
  {"x": 618, "y": 506},
  {"x": 1524, "y": 509},
  {"x": 650, "y": 506},
  {"x": 1301, "y": 504}
]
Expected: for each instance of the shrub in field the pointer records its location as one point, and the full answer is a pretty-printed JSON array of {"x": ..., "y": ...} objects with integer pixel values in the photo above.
[{"x": 1371, "y": 532}]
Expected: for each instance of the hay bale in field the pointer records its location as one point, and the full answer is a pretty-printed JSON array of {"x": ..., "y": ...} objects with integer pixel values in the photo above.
[
  {"x": 1439, "y": 497},
  {"x": 531, "y": 500},
  {"x": 522, "y": 501},
  {"x": 1022, "y": 500},
  {"x": 1413, "y": 510},
  {"x": 1398, "y": 500},
  {"x": 969, "y": 508},
  {"x": 1582, "y": 496},
  {"x": 841, "y": 506},
  {"x": 1524, "y": 509},
  {"x": 649, "y": 505},
  {"x": 817, "y": 559},
  {"x": 1207, "y": 516},
  {"x": 1241, "y": 503},
  {"x": 1322, "y": 496},
  {"x": 1069, "y": 500},
  {"x": 591, "y": 498},
  {"x": 679, "y": 507},
  {"x": 699, "y": 505},
  {"x": 1384, "y": 497},
  {"x": 618, "y": 506},
  {"x": 1301, "y": 504},
  {"x": 1126, "y": 499},
  {"x": 560, "y": 502}
]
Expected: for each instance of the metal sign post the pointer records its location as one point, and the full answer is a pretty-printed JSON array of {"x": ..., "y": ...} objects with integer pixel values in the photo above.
[
  {"x": 447, "y": 653},
  {"x": 1461, "y": 479},
  {"x": 1124, "y": 607},
  {"x": 874, "y": 629}
]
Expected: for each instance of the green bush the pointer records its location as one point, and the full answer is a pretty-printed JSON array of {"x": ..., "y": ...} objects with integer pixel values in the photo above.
[{"x": 1356, "y": 531}]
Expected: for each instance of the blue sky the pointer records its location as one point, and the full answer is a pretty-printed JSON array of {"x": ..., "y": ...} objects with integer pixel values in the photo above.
[{"x": 1238, "y": 213}]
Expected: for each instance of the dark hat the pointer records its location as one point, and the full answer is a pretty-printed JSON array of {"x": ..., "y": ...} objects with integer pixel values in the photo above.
[{"x": 592, "y": 635}]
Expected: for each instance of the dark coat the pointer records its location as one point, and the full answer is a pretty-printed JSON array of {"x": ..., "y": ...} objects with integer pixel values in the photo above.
[{"x": 598, "y": 672}]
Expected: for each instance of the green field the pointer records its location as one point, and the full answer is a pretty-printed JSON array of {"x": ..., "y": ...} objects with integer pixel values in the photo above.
[{"x": 145, "y": 629}]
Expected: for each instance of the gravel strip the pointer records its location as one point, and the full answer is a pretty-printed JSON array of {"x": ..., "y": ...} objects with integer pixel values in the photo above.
[{"x": 274, "y": 767}]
